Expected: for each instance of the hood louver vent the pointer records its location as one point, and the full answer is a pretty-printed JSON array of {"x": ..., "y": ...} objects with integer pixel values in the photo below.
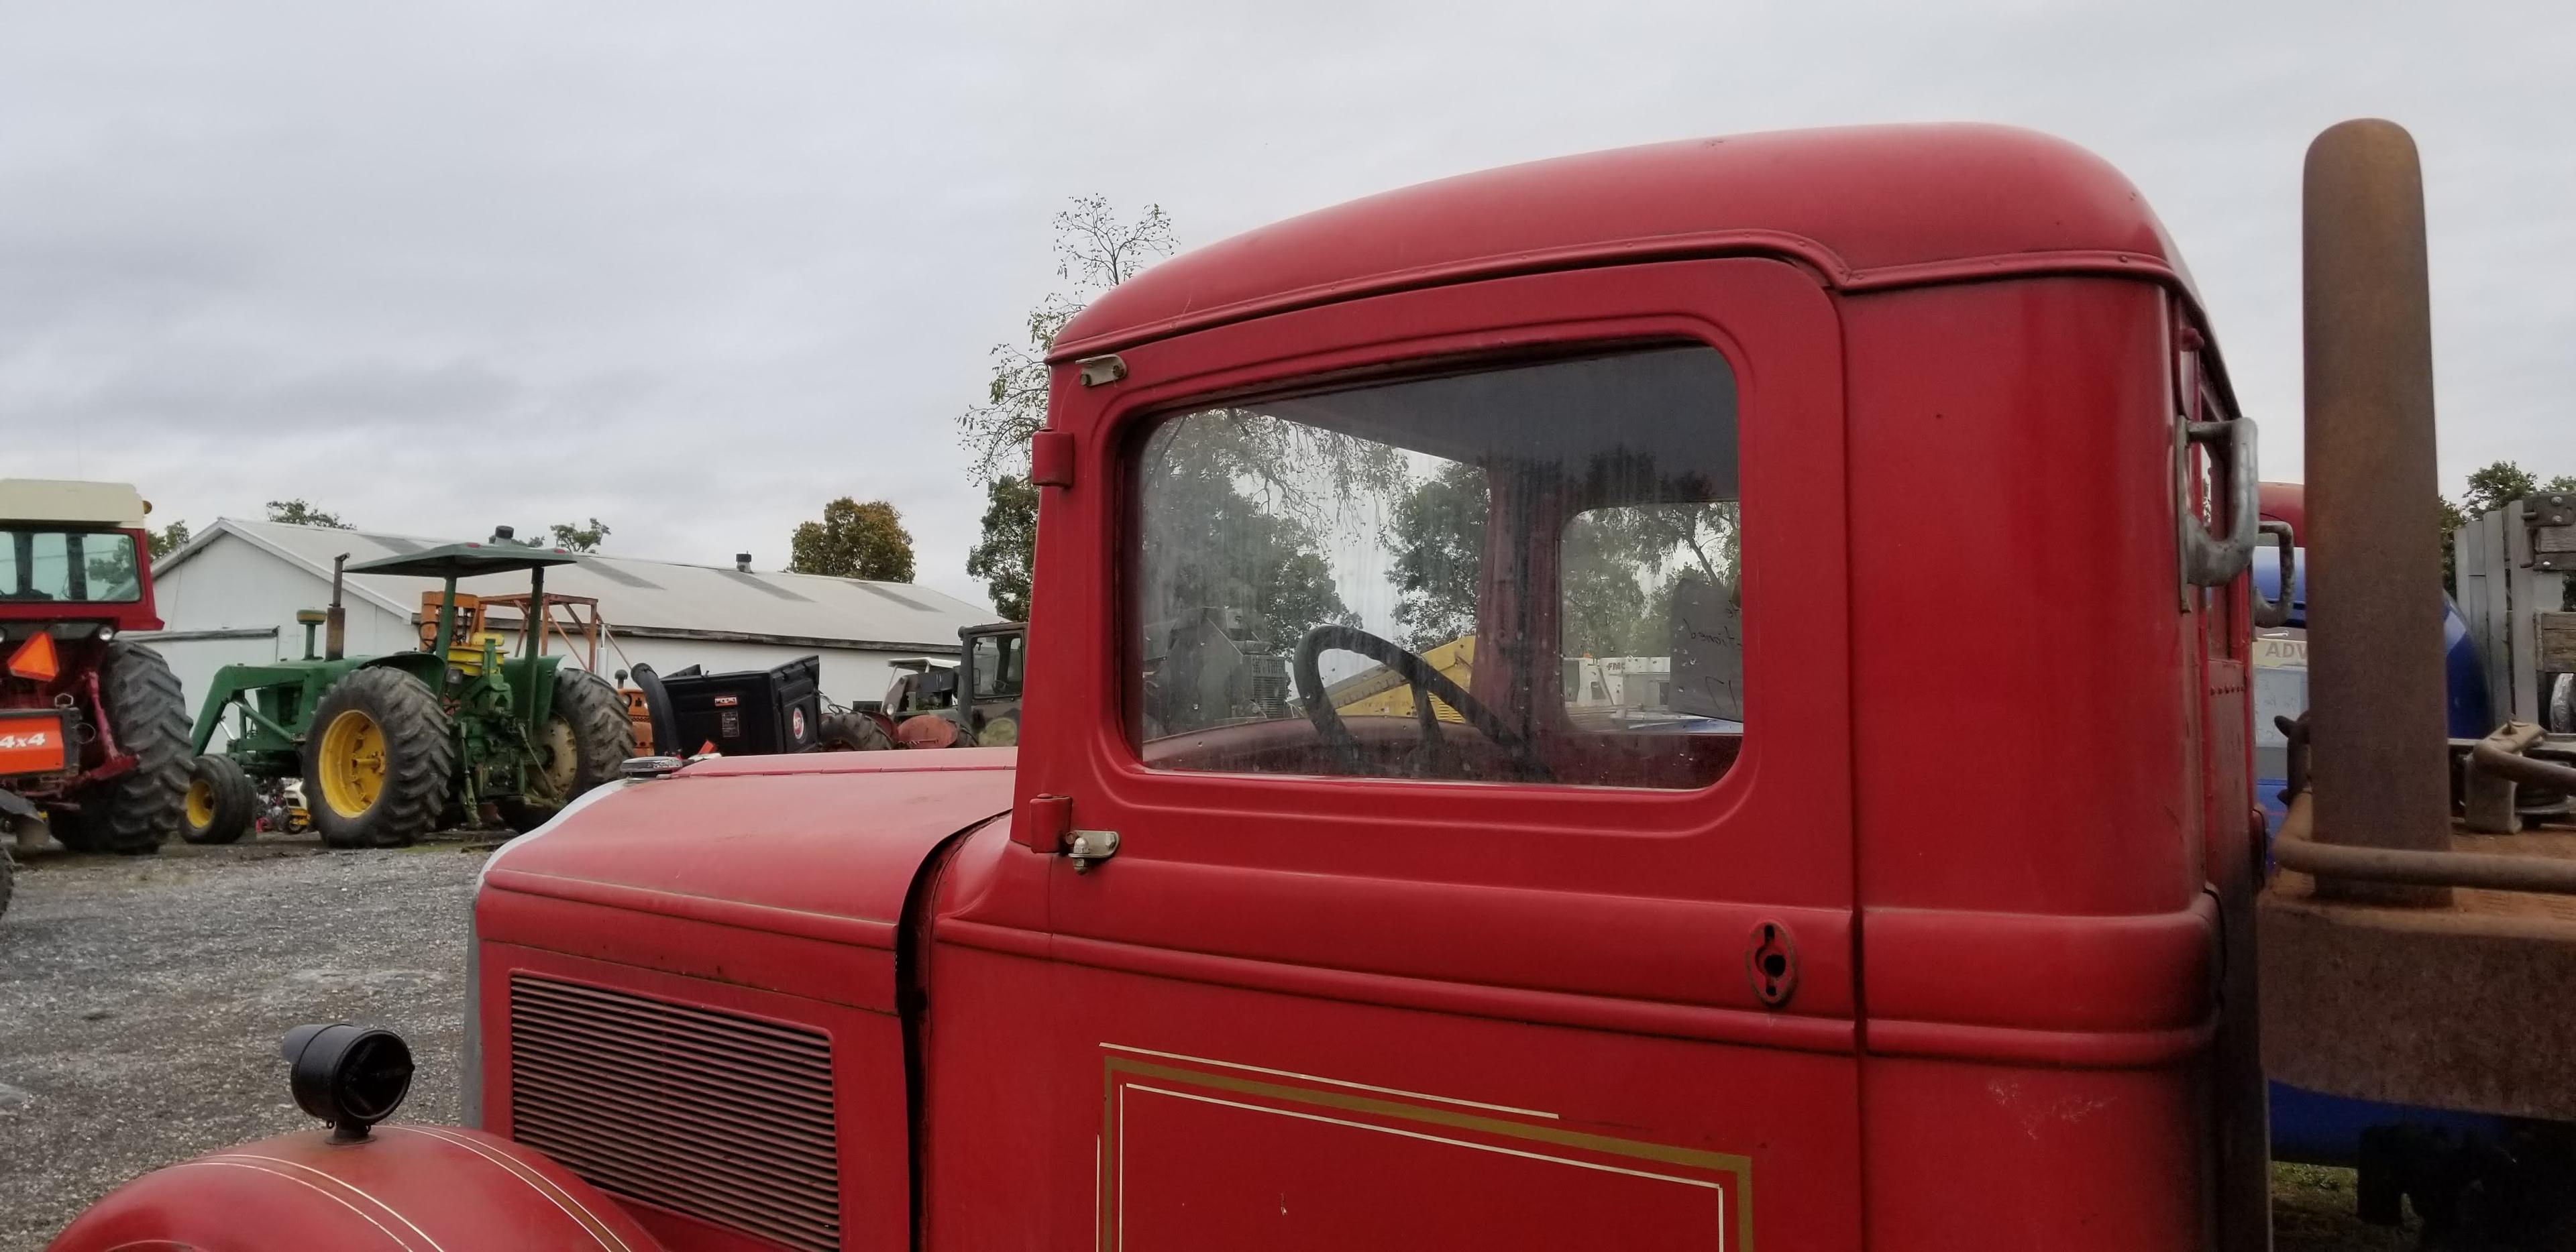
[{"x": 722, "y": 1117}]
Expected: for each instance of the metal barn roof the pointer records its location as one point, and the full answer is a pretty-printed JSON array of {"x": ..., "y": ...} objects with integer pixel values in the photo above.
[{"x": 642, "y": 598}]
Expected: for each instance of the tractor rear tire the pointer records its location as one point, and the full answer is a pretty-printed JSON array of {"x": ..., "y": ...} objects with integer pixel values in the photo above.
[
  {"x": 137, "y": 811},
  {"x": 222, "y": 803},
  {"x": 588, "y": 736},
  {"x": 378, "y": 761},
  {"x": 854, "y": 731}
]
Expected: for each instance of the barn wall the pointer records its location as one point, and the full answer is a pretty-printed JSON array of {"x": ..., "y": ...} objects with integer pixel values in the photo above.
[{"x": 231, "y": 585}]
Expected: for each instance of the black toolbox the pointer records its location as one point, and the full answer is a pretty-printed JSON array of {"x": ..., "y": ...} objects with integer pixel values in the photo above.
[{"x": 746, "y": 713}]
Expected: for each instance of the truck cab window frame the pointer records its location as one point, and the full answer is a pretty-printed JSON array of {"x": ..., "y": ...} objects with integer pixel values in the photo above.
[{"x": 1389, "y": 579}]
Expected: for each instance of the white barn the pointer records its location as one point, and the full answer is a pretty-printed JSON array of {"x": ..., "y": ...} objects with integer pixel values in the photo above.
[{"x": 231, "y": 594}]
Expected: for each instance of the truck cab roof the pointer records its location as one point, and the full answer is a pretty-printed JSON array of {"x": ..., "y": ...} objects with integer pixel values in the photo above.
[{"x": 1865, "y": 206}]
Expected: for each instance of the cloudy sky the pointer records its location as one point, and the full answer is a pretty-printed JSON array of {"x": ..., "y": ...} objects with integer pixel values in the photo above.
[{"x": 696, "y": 268}]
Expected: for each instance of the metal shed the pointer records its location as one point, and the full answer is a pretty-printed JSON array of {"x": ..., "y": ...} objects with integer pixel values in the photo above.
[{"x": 230, "y": 595}]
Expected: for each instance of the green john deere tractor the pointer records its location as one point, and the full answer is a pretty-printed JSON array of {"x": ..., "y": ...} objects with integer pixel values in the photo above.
[{"x": 389, "y": 748}]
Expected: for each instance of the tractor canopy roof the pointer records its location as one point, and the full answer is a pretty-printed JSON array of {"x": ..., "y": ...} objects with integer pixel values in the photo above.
[
  {"x": 71, "y": 503},
  {"x": 1864, "y": 206},
  {"x": 465, "y": 560}
]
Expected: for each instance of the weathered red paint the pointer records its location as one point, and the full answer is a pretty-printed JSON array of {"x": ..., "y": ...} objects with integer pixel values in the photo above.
[
  {"x": 1301, "y": 1012},
  {"x": 408, "y": 1189}
]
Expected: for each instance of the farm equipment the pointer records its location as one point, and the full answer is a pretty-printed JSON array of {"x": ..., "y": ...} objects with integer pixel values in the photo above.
[
  {"x": 1208, "y": 963},
  {"x": 745, "y": 713},
  {"x": 974, "y": 703},
  {"x": 93, "y": 738},
  {"x": 388, "y": 748}
]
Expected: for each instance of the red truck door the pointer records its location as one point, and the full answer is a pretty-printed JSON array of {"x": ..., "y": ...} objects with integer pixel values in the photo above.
[{"x": 1573, "y": 969}]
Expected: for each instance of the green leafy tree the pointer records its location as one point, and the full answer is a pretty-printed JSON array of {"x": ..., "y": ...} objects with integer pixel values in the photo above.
[
  {"x": 580, "y": 538},
  {"x": 1005, "y": 558},
  {"x": 1096, "y": 248},
  {"x": 1437, "y": 535},
  {"x": 1265, "y": 465},
  {"x": 1209, "y": 543},
  {"x": 169, "y": 539},
  {"x": 854, "y": 540},
  {"x": 2491, "y": 487},
  {"x": 1095, "y": 251},
  {"x": 297, "y": 513},
  {"x": 1618, "y": 567}
]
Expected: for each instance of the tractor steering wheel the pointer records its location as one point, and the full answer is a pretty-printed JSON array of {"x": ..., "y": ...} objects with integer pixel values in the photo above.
[{"x": 1426, "y": 682}]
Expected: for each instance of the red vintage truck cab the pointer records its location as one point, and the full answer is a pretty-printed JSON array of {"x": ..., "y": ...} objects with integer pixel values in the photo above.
[{"x": 1900, "y": 447}]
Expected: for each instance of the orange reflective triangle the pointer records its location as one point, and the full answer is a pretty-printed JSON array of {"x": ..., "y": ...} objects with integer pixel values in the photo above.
[{"x": 35, "y": 659}]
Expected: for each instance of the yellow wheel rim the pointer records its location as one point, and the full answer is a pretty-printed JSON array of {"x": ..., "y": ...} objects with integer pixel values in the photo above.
[
  {"x": 351, "y": 762},
  {"x": 558, "y": 756},
  {"x": 201, "y": 804}
]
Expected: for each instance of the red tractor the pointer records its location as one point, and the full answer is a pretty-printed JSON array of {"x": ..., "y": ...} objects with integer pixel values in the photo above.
[
  {"x": 93, "y": 729},
  {"x": 1893, "y": 465}
]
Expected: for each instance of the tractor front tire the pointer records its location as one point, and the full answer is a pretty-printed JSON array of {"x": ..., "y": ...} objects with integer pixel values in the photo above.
[
  {"x": 853, "y": 731},
  {"x": 137, "y": 811},
  {"x": 584, "y": 741},
  {"x": 222, "y": 803},
  {"x": 378, "y": 761}
]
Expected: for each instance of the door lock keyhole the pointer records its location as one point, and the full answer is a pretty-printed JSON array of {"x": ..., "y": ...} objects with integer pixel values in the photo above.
[{"x": 1771, "y": 963}]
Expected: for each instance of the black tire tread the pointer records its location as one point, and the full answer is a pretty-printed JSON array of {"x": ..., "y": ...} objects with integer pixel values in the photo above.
[
  {"x": 602, "y": 734},
  {"x": 420, "y": 755},
  {"x": 135, "y": 812},
  {"x": 852, "y": 731},
  {"x": 236, "y": 801},
  {"x": 603, "y": 737}
]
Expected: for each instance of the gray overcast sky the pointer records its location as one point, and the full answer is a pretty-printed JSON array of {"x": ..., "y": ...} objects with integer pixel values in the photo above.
[{"x": 696, "y": 268}]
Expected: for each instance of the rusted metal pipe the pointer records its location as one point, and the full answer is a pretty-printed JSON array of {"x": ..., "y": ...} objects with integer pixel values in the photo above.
[
  {"x": 2530, "y": 771},
  {"x": 2375, "y": 571},
  {"x": 2293, "y": 849},
  {"x": 2496, "y": 770},
  {"x": 335, "y": 620}
]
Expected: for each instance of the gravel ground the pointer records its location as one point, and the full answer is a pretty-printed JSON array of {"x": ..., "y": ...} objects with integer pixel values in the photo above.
[{"x": 142, "y": 1000}]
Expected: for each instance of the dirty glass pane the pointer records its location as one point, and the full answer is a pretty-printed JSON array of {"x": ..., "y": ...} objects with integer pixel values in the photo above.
[
  {"x": 1525, "y": 572},
  {"x": 1653, "y": 630},
  {"x": 82, "y": 566},
  {"x": 988, "y": 665}
]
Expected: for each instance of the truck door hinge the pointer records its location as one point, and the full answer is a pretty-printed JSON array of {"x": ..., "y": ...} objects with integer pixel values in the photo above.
[
  {"x": 1090, "y": 847},
  {"x": 1042, "y": 823},
  {"x": 1051, "y": 459},
  {"x": 1100, "y": 371}
]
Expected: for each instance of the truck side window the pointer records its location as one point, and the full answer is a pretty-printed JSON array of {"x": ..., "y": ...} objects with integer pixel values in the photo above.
[{"x": 1524, "y": 572}]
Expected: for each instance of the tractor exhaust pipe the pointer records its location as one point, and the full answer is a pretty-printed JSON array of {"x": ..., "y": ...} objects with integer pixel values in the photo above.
[
  {"x": 2380, "y": 762},
  {"x": 335, "y": 620}
]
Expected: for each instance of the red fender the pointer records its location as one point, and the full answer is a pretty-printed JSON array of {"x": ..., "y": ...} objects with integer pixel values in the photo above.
[{"x": 406, "y": 1189}]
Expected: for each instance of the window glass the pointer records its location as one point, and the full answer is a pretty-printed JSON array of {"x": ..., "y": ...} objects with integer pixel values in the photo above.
[
  {"x": 1521, "y": 572},
  {"x": 72, "y": 566},
  {"x": 988, "y": 665}
]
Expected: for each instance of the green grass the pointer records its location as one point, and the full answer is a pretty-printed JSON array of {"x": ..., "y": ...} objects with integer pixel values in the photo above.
[{"x": 2312, "y": 1212}]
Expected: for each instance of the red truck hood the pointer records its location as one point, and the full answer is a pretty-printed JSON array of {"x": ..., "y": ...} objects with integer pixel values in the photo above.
[{"x": 820, "y": 846}]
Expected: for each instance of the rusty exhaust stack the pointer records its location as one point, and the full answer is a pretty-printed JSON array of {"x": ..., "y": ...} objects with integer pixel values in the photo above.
[
  {"x": 335, "y": 620},
  {"x": 2380, "y": 765}
]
